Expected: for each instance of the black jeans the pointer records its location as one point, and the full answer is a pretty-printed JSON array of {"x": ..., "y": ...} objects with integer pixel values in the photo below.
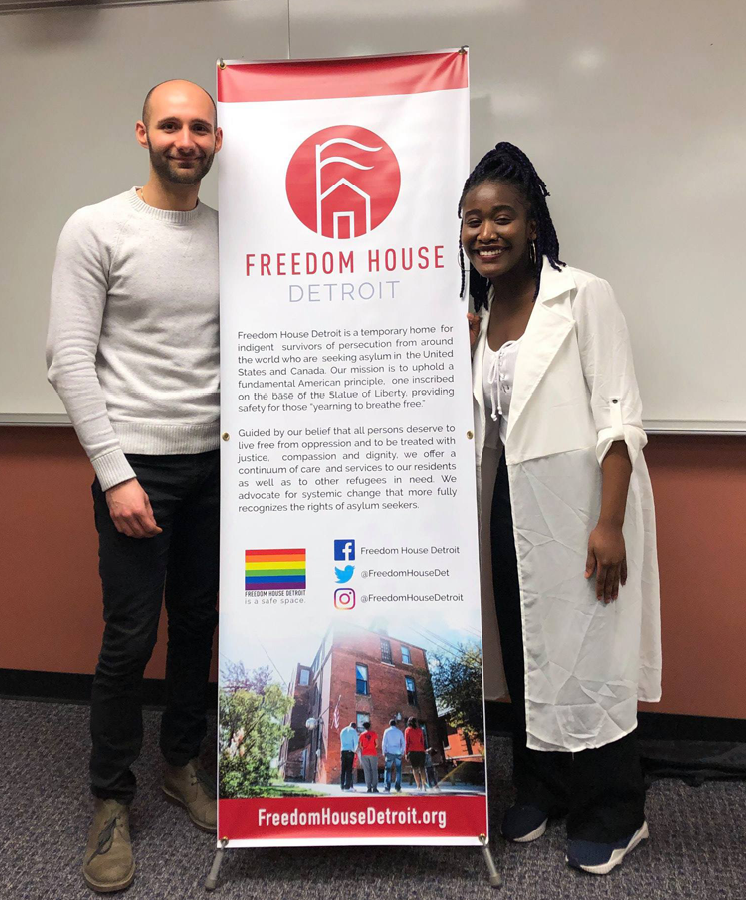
[
  {"x": 348, "y": 759},
  {"x": 602, "y": 791},
  {"x": 184, "y": 491}
]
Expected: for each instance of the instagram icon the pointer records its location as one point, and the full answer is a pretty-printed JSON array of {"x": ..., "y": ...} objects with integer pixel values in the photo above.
[{"x": 344, "y": 598}]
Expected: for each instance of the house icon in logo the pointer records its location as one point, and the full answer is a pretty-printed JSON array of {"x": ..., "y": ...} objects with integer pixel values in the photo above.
[
  {"x": 342, "y": 182},
  {"x": 340, "y": 185}
]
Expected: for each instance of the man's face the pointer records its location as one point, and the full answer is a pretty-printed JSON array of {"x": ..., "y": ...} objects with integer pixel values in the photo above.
[{"x": 180, "y": 135}]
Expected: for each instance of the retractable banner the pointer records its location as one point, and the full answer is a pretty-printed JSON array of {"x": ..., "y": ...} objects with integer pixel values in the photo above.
[{"x": 351, "y": 707}]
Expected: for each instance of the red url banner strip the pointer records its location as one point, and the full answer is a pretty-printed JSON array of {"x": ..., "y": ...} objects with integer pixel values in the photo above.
[
  {"x": 334, "y": 78},
  {"x": 434, "y": 817}
]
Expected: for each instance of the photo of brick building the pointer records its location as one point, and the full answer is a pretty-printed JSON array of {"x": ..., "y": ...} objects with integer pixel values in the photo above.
[
  {"x": 357, "y": 675},
  {"x": 458, "y": 746}
]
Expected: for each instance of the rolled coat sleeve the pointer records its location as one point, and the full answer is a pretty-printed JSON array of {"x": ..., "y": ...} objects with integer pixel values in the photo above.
[{"x": 606, "y": 359}]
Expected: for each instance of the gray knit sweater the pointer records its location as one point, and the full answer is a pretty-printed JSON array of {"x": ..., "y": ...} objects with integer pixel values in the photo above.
[{"x": 133, "y": 343}]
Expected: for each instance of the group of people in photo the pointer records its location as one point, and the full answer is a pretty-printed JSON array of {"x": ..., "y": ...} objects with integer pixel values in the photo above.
[{"x": 396, "y": 747}]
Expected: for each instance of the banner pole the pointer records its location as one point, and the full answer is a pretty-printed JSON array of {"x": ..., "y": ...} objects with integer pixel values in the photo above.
[
  {"x": 493, "y": 874},
  {"x": 211, "y": 882}
]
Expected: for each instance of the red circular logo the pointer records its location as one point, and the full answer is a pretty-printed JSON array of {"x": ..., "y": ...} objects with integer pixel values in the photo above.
[{"x": 343, "y": 181}]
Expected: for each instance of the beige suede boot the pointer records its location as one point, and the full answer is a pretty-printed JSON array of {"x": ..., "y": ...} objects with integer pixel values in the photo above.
[
  {"x": 108, "y": 864},
  {"x": 192, "y": 788}
]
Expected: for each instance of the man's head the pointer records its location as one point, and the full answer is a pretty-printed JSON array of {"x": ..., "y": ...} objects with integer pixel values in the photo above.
[
  {"x": 366, "y": 726},
  {"x": 392, "y": 723},
  {"x": 353, "y": 724},
  {"x": 179, "y": 129}
]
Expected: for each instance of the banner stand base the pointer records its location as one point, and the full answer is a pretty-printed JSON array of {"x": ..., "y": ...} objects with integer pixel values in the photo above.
[
  {"x": 211, "y": 882},
  {"x": 492, "y": 873}
]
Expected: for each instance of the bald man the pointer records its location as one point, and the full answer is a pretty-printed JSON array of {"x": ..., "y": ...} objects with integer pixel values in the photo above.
[{"x": 133, "y": 353}]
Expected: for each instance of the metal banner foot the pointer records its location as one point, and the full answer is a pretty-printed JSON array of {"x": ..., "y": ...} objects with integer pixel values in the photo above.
[
  {"x": 493, "y": 874},
  {"x": 211, "y": 882}
]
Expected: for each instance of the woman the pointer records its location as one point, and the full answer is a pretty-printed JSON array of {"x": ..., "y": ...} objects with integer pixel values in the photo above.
[
  {"x": 414, "y": 751},
  {"x": 567, "y": 517},
  {"x": 368, "y": 751}
]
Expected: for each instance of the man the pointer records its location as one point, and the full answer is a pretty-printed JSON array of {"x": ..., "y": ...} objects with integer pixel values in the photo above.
[
  {"x": 368, "y": 745},
  {"x": 133, "y": 353},
  {"x": 348, "y": 742},
  {"x": 393, "y": 752}
]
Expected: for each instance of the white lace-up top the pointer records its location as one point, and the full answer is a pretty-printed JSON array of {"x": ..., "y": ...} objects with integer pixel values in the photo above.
[{"x": 498, "y": 372}]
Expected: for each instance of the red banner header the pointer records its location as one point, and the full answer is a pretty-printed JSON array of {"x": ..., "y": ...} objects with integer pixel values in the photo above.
[{"x": 333, "y": 78}]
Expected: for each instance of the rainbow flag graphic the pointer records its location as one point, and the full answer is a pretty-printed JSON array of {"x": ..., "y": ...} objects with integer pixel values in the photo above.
[{"x": 275, "y": 570}]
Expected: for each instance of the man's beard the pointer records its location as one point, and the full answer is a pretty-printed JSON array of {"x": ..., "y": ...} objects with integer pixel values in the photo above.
[{"x": 164, "y": 169}]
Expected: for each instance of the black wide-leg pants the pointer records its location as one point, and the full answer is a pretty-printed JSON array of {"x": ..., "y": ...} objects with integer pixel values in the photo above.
[
  {"x": 184, "y": 491},
  {"x": 601, "y": 791}
]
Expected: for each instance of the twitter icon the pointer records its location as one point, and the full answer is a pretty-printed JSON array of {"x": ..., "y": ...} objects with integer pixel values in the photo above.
[{"x": 345, "y": 574}]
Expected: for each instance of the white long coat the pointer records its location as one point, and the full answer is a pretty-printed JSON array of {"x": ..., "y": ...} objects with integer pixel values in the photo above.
[{"x": 574, "y": 393}]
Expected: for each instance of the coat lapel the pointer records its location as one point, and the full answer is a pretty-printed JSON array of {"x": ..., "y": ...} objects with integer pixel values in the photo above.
[
  {"x": 550, "y": 323},
  {"x": 476, "y": 365}
]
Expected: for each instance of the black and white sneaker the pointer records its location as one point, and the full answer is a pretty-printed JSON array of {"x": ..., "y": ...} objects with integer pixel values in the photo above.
[
  {"x": 522, "y": 824},
  {"x": 600, "y": 858}
]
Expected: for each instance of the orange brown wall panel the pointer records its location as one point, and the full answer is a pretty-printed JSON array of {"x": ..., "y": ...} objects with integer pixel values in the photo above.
[{"x": 50, "y": 595}]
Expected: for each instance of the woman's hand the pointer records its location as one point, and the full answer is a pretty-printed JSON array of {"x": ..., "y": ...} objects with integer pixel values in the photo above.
[
  {"x": 607, "y": 555},
  {"x": 475, "y": 323}
]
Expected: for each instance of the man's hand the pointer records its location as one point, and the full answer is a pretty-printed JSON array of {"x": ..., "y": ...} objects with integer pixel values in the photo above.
[
  {"x": 607, "y": 554},
  {"x": 130, "y": 510}
]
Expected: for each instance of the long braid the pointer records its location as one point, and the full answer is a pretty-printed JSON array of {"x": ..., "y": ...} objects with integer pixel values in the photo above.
[{"x": 506, "y": 164}]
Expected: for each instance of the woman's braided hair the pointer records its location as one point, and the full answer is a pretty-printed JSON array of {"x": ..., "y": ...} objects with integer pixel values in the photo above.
[{"x": 506, "y": 164}]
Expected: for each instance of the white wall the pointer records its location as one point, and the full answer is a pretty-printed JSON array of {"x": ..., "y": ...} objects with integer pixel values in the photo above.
[
  {"x": 632, "y": 113},
  {"x": 73, "y": 85}
]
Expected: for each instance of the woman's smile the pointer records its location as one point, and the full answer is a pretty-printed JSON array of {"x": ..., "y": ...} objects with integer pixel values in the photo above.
[{"x": 490, "y": 252}]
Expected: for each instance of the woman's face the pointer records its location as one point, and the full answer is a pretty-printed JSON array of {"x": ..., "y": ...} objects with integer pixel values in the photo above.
[{"x": 495, "y": 229}]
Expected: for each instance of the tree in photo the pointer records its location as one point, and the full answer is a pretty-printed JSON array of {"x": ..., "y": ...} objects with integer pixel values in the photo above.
[
  {"x": 235, "y": 677},
  {"x": 252, "y": 711},
  {"x": 457, "y": 683}
]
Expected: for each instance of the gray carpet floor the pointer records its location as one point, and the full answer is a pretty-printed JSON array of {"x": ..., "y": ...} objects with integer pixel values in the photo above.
[{"x": 697, "y": 847}]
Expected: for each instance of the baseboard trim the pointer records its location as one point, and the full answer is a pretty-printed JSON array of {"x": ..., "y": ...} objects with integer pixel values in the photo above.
[
  {"x": 63, "y": 687},
  {"x": 650, "y": 726},
  {"x": 67, "y": 687}
]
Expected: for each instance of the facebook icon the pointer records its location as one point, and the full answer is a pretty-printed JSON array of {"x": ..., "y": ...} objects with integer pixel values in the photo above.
[{"x": 344, "y": 550}]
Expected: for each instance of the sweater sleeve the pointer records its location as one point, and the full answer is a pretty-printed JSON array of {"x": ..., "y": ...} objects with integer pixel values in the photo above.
[
  {"x": 606, "y": 358},
  {"x": 79, "y": 289}
]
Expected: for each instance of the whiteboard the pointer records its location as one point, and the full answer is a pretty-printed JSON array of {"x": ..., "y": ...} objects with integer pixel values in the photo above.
[
  {"x": 74, "y": 80},
  {"x": 632, "y": 113}
]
